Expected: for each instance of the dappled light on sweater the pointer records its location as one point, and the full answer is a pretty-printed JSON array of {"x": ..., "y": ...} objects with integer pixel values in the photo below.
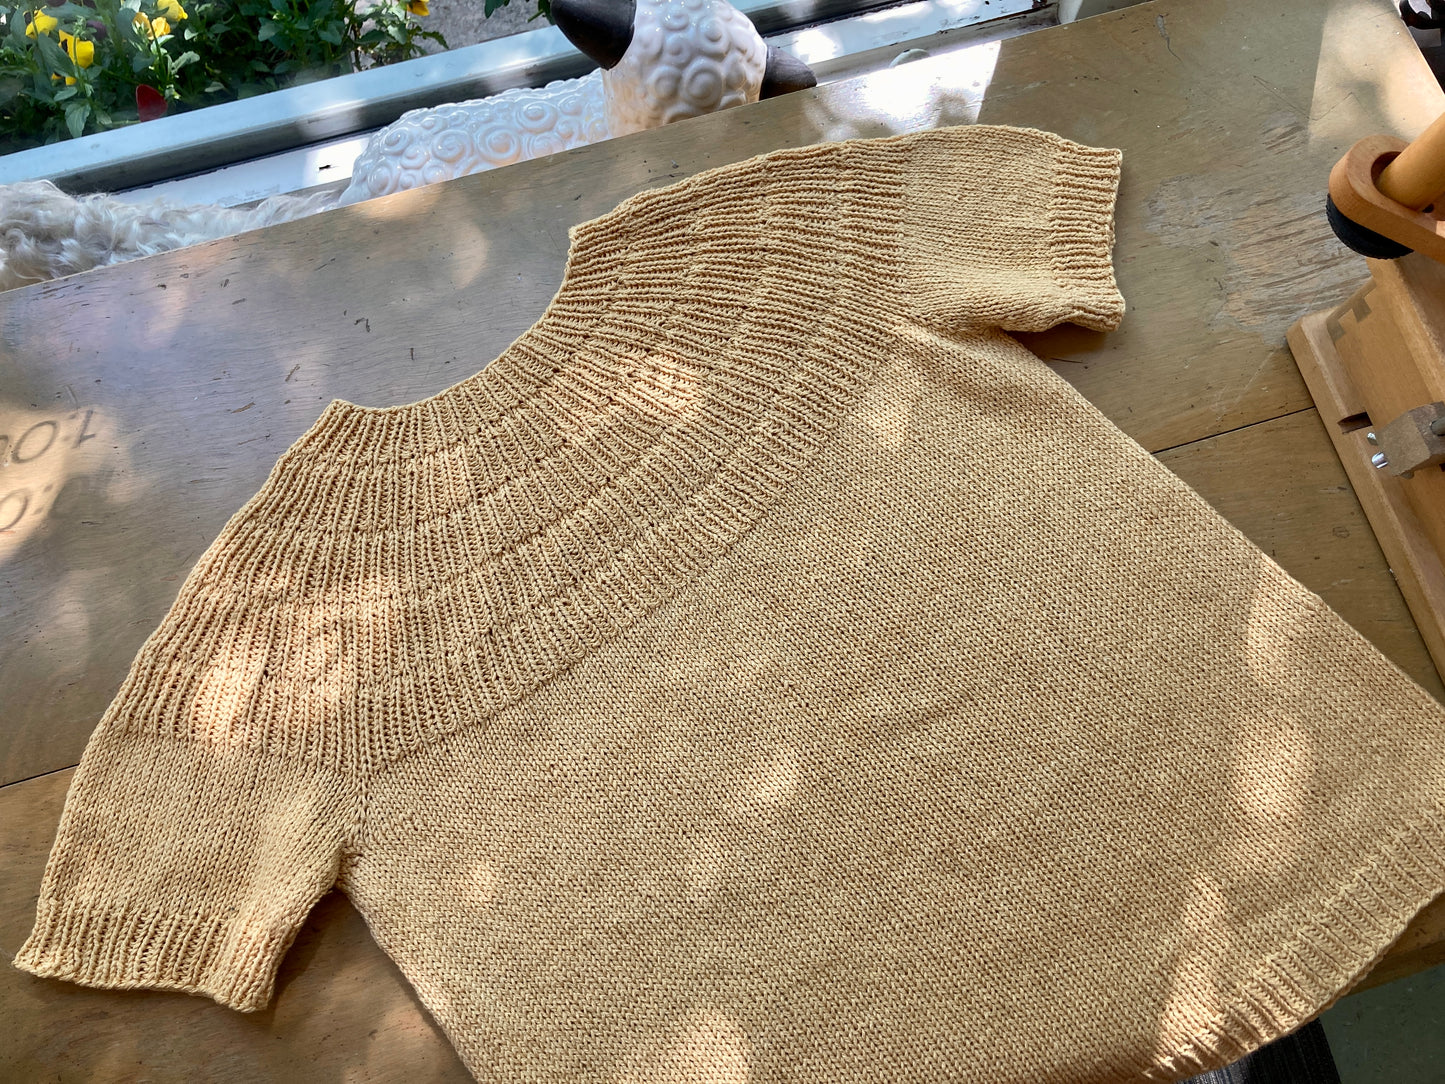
[
  {"x": 710, "y": 1049},
  {"x": 1203, "y": 933},
  {"x": 768, "y": 669},
  {"x": 1273, "y": 770},
  {"x": 771, "y": 781}
]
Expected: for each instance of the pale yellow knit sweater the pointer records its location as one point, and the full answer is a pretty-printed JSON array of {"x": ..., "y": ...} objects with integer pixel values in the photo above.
[{"x": 768, "y": 670}]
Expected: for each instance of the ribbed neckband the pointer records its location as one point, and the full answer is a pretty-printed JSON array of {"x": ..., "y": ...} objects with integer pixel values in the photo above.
[
  {"x": 669, "y": 278},
  {"x": 458, "y": 551}
]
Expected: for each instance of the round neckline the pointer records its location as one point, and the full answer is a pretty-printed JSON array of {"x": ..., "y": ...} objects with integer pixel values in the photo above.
[
  {"x": 578, "y": 249},
  {"x": 507, "y": 382},
  {"x": 796, "y": 181}
]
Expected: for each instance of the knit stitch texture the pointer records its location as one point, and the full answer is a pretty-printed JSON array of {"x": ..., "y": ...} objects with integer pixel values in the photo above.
[{"x": 768, "y": 670}]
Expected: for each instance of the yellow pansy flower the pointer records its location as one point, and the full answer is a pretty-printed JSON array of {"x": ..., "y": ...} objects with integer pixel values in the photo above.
[
  {"x": 82, "y": 52},
  {"x": 154, "y": 27},
  {"x": 417, "y": 7},
  {"x": 171, "y": 9},
  {"x": 41, "y": 24}
]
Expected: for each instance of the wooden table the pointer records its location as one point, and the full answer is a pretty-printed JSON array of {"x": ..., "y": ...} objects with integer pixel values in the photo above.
[{"x": 141, "y": 405}]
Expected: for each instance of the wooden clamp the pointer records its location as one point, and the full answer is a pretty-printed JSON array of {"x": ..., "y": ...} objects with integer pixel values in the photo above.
[{"x": 1413, "y": 440}]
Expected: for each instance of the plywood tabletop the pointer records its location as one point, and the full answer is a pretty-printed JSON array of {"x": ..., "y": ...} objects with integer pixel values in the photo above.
[{"x": 141, "y": 405}]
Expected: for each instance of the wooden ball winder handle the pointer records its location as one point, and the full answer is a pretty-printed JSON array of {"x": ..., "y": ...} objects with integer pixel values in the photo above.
[{"x": 1383, "y": 193}]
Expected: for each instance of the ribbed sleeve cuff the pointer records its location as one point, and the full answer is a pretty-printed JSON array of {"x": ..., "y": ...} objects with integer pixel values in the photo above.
[
  {"x": 1009, "y": 228},
  {"x": 135, "y": 950},
  {"x": 1081, "y": 233}
]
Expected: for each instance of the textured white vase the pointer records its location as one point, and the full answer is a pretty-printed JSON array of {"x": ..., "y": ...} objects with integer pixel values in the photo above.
[{"x": 686, "y": 58}]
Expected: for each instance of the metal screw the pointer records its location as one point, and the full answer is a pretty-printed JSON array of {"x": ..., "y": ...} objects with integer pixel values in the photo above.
[
  {"x": 1372, "y": 438},
  {"x": 1379, "y": 461}
]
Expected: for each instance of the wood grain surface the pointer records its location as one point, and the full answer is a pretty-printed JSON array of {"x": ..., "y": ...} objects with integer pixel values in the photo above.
[{"x": 141, "y": 405}]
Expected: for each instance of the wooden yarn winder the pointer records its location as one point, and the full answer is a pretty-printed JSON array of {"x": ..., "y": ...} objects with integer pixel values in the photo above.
[{"x": 1376, "y": 364}]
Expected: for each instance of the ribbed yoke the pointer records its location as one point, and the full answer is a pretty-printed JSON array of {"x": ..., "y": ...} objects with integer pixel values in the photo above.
[{"x": 520, "y": 518}]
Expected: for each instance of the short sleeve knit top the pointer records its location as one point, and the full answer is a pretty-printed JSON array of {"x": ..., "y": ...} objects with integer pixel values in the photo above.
[{"x": 768, "y": 670}]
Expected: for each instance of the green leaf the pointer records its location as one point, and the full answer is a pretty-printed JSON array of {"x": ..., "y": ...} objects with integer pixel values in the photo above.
[
  {"x": 75, "y": 116},
  {"x": 11, "y": 87},
  {"x": 184, "y": 59},
  {"x": 493, "y": 6},
  {"x": 51, "y": 55},
  {"x": 330, "y": 34},
  {"x": 68, "y": 11},
  {"x": 68, "y": 92},
  {"x": 268, "y": 31}
]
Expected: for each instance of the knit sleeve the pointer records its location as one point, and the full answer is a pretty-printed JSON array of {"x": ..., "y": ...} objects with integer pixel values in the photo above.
[
  {"x": 195, "y": 838},
  {"x": 1010, "y": 228}
]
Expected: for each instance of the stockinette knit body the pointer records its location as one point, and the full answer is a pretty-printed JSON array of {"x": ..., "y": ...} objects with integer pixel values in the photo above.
[{"x": 768, "y": 670}]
